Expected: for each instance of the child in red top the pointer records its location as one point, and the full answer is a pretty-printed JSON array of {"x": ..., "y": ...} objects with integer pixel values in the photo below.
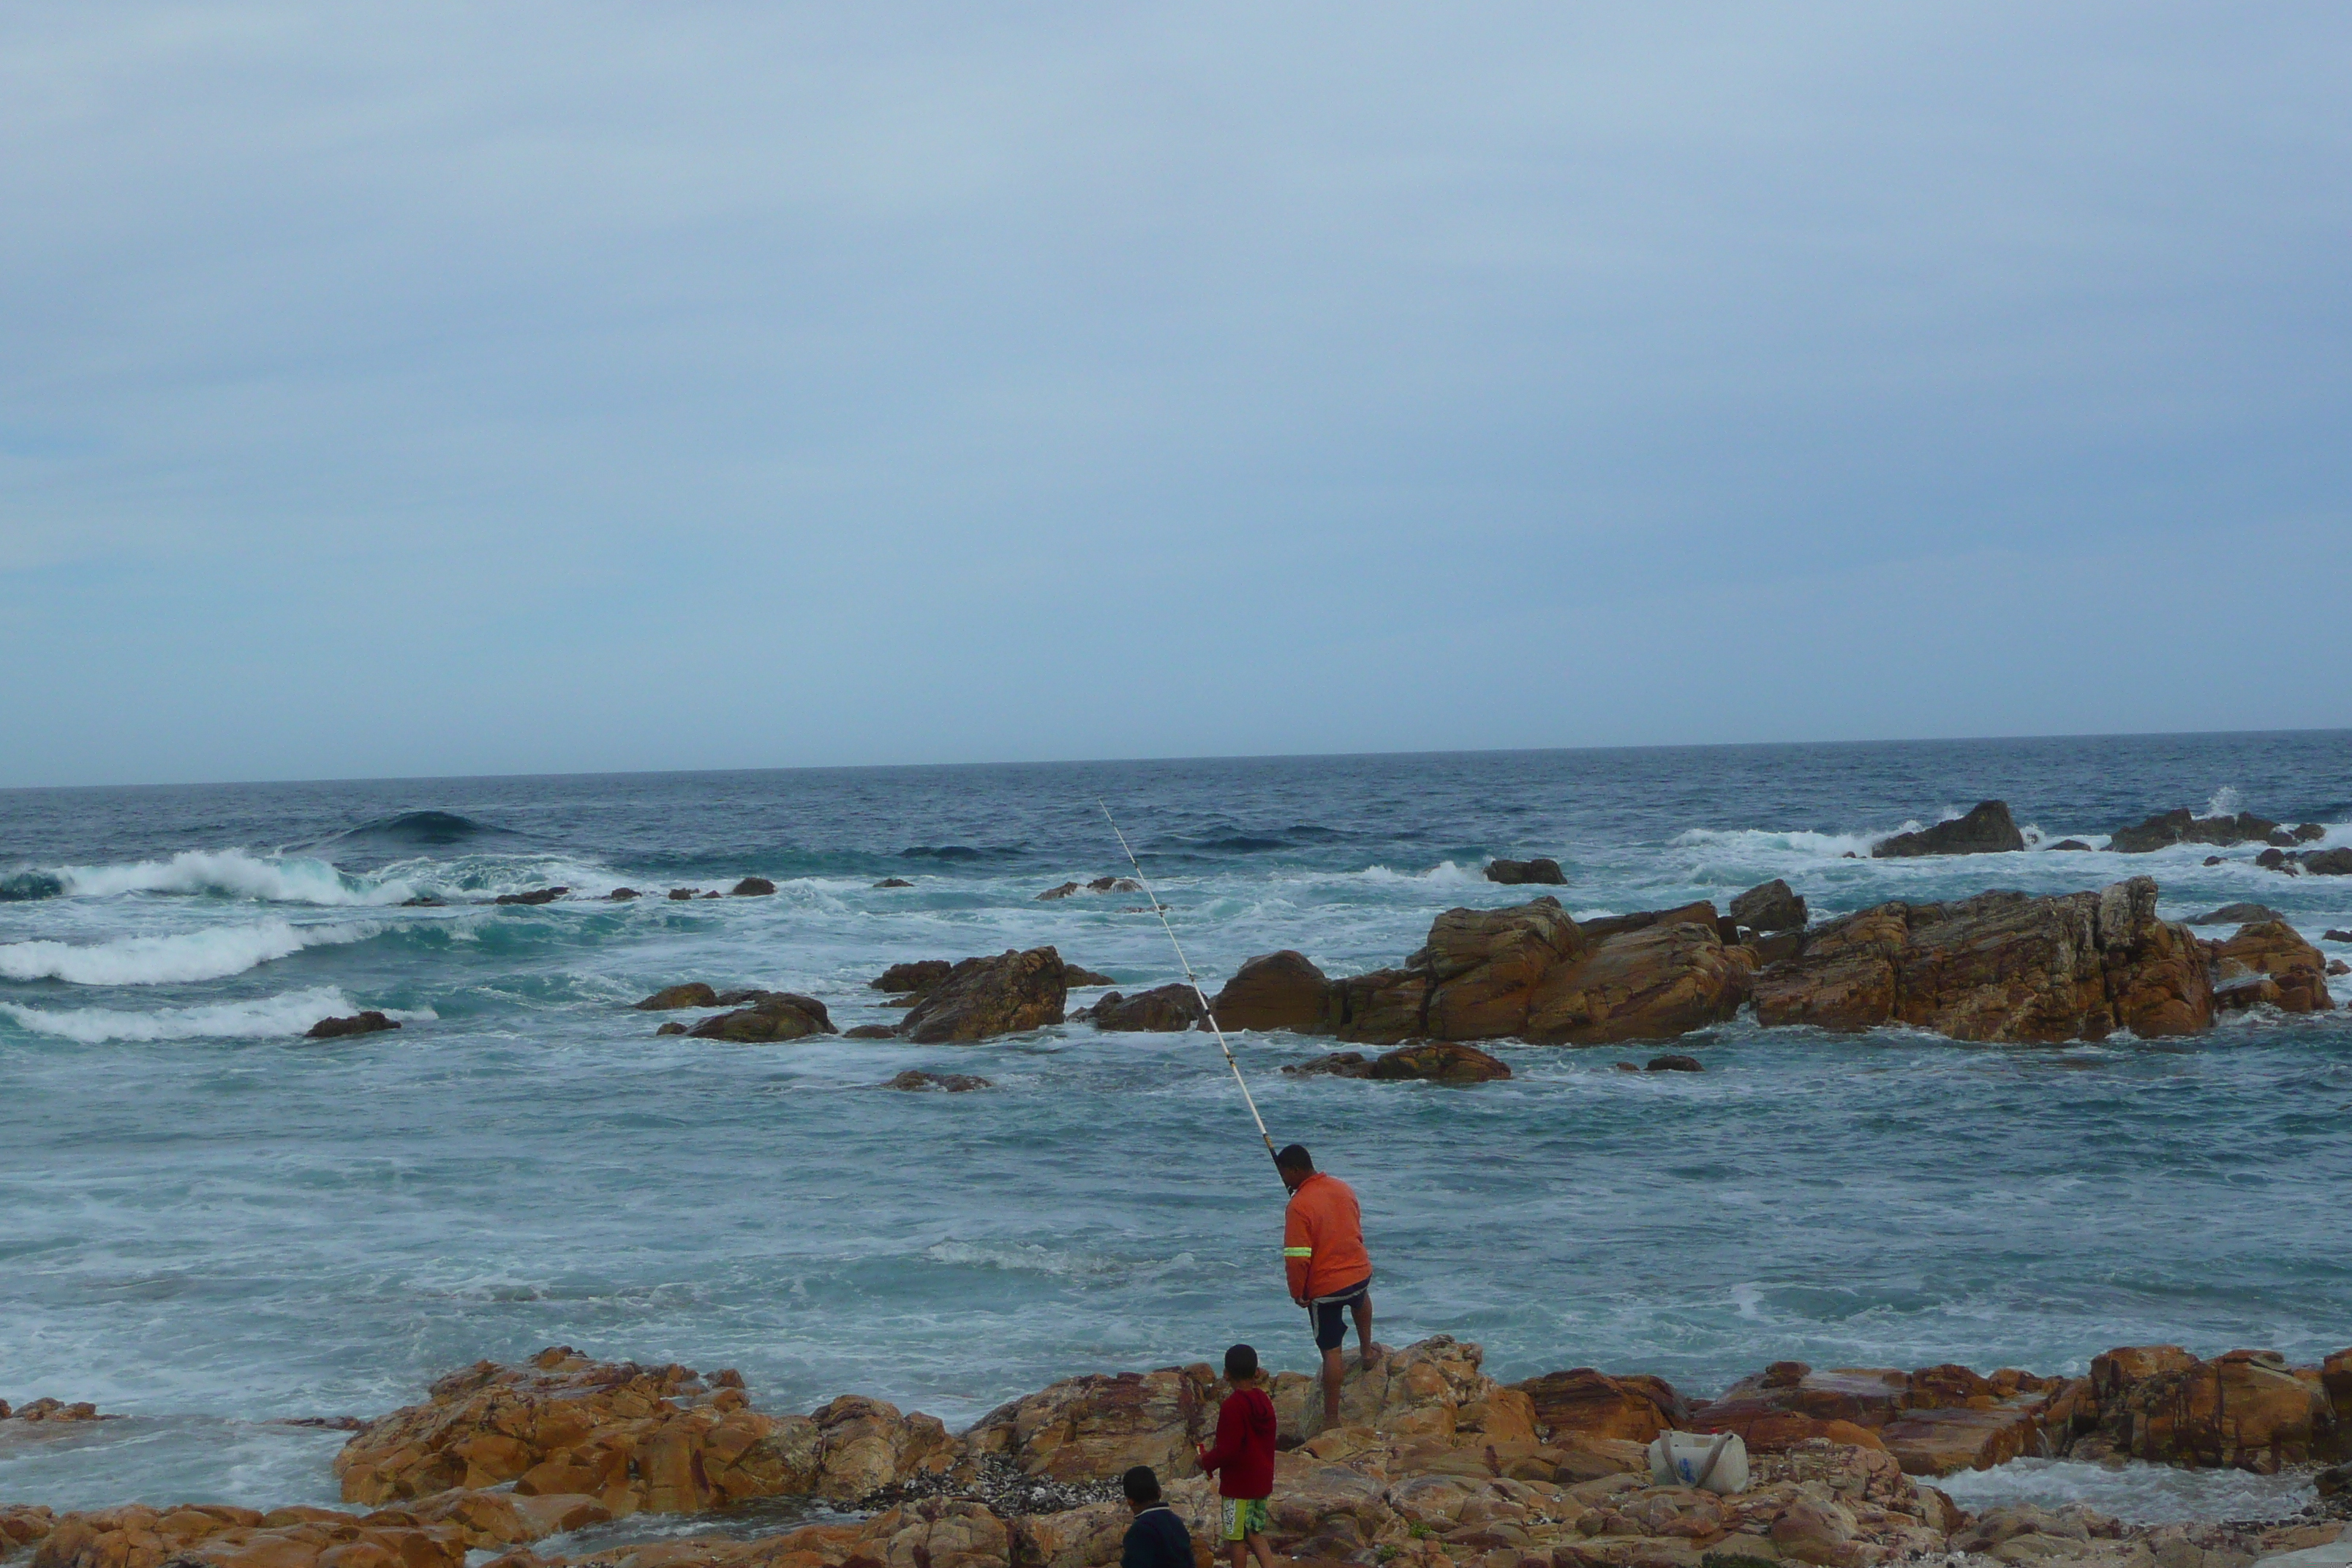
[{"x": 1243, "y": 1457}]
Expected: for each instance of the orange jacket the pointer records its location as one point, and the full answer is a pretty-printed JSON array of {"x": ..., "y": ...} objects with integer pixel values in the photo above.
[{"x": 1323, "y": 1239}]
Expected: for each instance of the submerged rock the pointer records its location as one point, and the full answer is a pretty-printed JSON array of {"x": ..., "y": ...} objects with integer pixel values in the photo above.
[
  {"x": 893, "y": 882},
  {"x": 672, "y": 1027},
  {"x": 949, "y": 1083},
  {"x": 692, "y": 994},
  {"x": 1769, "y": 906},
  {"x": 2069, "y": 844},
  {"x": 1099, "y": 885},
  {"x": 1439, "y": 1061},
  {"x": 777, "y": 1015},
  {"x": 753, "y": 888},
  {"x": 870, "y": 1032},
  {"x": 983, "y": 997},
  {"x": 1543, "y": 872},
  {"x": 367, "y": 1022},
  {"x": 536, "y": 896},
  {"x": 1074, "y": 975},
  {"x": 1164, "y": 1009},
  {"x": 1987, "y": 829},
  {"x": 1338, "y": 1063},
  {"x": 1999, "y": 966},
  {"x": 1674, "y": 1064},
  {"x": 622, "y": 895},
  {"x": 680, "y": 895}
]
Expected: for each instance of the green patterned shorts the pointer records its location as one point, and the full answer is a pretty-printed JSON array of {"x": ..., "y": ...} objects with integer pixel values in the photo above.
[{"x": 1244, "y": 1516}]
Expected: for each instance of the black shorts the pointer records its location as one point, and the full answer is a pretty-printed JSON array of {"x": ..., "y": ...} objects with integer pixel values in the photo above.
[{"x": 1331, "y": 1314}]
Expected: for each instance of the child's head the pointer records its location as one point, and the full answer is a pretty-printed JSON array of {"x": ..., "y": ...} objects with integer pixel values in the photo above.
[
  {"x": 1241, "y": 1364},
  {"x": 1140, "y": 1484}
]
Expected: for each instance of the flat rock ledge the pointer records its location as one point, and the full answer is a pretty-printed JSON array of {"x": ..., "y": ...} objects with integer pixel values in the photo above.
[{"x": 1433, "y": 1464}]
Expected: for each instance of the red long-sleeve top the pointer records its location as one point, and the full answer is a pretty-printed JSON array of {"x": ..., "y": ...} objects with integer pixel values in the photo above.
[{"x": 1242, "y": 1455}]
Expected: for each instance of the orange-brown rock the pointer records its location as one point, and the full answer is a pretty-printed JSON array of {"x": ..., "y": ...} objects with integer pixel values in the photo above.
[
  {"x": 984, "y": 997},
  {"x": 23, "y": 1525},
  {"x": 1166, "y": 1010},
  {"x": 242, "y": 1538},
  {"x": 1438, "y": 1062},
  {"x": 2268, "y": 963},
  {"x": 660, "y": 1439},
  {"x": 1584, "y": 1403},
  {"x": 2246, "y": 1410},
  {"x": 692, "y": 994},
  {"x": 1653, "y": 983},
  {"x": 776, "y": 1016},
  {"x": 1999, "y": 966},
  {"x": 1276, "y": 991},
  {"x": 1483, "y": 966},
  {"x": 1384, "y": 1008},
  {"x": 1095, "y": 1426}
]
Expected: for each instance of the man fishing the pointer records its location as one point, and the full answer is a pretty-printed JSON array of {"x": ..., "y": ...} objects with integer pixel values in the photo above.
[{"x": 1330, "y": 1273}]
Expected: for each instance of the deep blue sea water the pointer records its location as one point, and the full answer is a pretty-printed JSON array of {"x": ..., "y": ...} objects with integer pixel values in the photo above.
[{"x": 210, "y": 1223}]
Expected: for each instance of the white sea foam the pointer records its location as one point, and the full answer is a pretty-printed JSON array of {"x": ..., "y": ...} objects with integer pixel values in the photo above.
[
  {"x": 2136, "y": 1493},
  {"x": 266, "y": 1017},
  {"x": 1760, "y": 842},
  {"x": 2226, "y": 802},
  {"x": 173, "y": 960},
  {"x": 233, "y": 873},
  {"x": 1445, "y": 871}
]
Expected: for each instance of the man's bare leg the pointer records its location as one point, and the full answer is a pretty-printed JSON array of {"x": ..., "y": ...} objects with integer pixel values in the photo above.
[
  {"x": 1364, "y": 1329},
  {"x": 1334, "y": 1370},
  {"x": 1265, "y": 1558}
]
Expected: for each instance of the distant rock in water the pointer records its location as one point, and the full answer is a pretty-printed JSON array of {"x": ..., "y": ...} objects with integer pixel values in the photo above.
[
  {"x": 1167, "y": 1009},
  {"x": 622, "y": 895},
  {"x": 951, "y": 1083},
  {"x": 2068, "y": 844},
  {"x": 1075, "y": 974},
  {"x": 24, "y": 887},
  {"x": 778, "y": 1016},
  {"x": 894, "y": 882},
  {"x": 2327, "y": 862},
  {"x": 1339, "y": 1064},
  {"x": 366, "y": 1023},
  {"x": 1544, "y": 871},
  {"x": 1674, "y": 1064},
  {"x": 2235, "y": 915},
  {"x": 1277, "y": 991},
  {"x": 1769, "y": 906},
  {"x": 2309, "y": 833},
  {"x": 870, "y": 1032},
  {"x": 2336, "y": 936},
  {"x": 753, "y": 888},
  {"x": 680, "y": 895},
  {"x": 422, "y": 901},
  {"x": 1009, "y": 993},
  {"x": 2166, "y": 828},
  {"x": 1099, "y": 885},
  {"x": 1987, "y": 830},
  {"x": 536, "y": 896},
  {"x": 692, "y": 994},
  {"x": 672, "y": 1027}
]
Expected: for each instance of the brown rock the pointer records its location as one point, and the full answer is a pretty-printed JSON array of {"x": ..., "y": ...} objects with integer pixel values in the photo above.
[
  {"x": 2180, "y": 826},
  {"x": 1601, "y": 928},
  {"x": 1654, "y": 983},
  {"x": 893, "y": 882},
  {"x": 693, "y": 994},
  {"x": 1483, "y": 966},
  {"x": 2309, "y": 833},
  {"x": 1064, "y": 891},
  {"x": 1165, "y": 1009},
  {"x": 2337, "y": 966},
  {"x": 1439, "y": 1061},
  {"x": 1985, "y": 830},
  {"x": 1074, "y": 975},
  {"x": 1385, "y": 1007},
  {"x": 2070, "y": 844},
  {"x": 918, "y": 976},
  {"x": 1769, "y": 906},
  {"x": 2235, "y": 914},
  {"x": 680, "y": 895},
  {"x": 778, "y": 1016},
  {"x": 1582, "y": 1403},
  {"x": 984, "y": 997},
  {"x": 870, "y": 1032},
  {"x": 1339, "y": 1064},
  {"x": 366, "y": 1023},
  {"x": 2334, "y": 935},
  {"x": 672, "y": 1027},
  {"x": 1277, "y": 991},
  {"x": 951, "y": 1083},
  {"x": 23, "y": 1524},
  {"x": 2268, "y": 962},
  {"x": 1674, "y": 1064},
  {"x": 1999, "y": 966},
  {"x": 753, "y": 888},
  {"x": 622, "y": 895},
  {"x": 536, "y": 896},
  {"x": 1515, "y": 873},
  {"x": 2327, "y": 862},
  {"x": 2245, "y": 1410}
]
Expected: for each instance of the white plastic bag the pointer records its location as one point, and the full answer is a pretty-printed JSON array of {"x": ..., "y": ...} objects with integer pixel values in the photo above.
[{"x": 1714, "y": 1462}]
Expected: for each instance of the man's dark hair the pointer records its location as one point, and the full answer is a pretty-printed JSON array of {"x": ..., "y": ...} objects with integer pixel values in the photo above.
[
  {"x": 1295, "y": 1158},
  {"x": 1241, "y": 1361},
  {"x": 1140, "y": 1484}
]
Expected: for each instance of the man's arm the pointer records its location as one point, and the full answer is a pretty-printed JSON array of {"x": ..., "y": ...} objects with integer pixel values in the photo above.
[{"x": 1298, "y": 1249}]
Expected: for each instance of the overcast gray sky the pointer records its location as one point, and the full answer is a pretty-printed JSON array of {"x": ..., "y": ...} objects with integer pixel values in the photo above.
[{"x": 442, "y": 389}]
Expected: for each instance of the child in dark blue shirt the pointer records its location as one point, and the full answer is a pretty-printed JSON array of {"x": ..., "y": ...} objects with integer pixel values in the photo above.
[{"x": 1157, "y": 1539}]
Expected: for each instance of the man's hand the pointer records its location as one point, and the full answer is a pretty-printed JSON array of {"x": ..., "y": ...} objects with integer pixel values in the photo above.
[{"x": 1299, "y": 1301}]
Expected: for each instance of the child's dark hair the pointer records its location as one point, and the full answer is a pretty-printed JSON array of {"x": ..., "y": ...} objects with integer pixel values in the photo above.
[
  {"x": 1140, "y": 1484},
  {"x": 1241, "y": 1361}
]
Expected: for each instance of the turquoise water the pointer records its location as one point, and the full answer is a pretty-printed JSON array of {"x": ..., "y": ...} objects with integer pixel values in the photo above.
[{"x": 212, "y": 1223}]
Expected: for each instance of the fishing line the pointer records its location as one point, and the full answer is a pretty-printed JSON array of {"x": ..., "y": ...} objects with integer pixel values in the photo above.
[{"x": 1194, "y": 981}]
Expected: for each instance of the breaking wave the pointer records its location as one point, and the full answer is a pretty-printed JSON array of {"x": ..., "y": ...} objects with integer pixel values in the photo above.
[
  {"x": 24, "y": 887},
  {"x": 172, "y": 960},
  {"x": 413, "y": 830},
  {"x": 268, "y": 1017},
  {"x": 1748, "y": 841},
  {"x": 233, "y": 873}
]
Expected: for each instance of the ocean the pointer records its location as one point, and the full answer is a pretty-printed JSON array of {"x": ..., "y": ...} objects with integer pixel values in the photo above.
[{"x": 211, "y": 1224}]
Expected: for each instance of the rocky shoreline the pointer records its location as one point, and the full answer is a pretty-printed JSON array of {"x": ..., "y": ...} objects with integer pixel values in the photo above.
[{"x": 1434, "y": 1463}]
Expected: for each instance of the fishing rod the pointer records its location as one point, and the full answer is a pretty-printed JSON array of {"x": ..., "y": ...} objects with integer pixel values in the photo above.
[{"x": 1194, "y": 981}]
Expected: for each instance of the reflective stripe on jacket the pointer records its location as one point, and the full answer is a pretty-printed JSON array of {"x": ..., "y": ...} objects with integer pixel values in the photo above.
[{"x": 1323, "y": 1239}]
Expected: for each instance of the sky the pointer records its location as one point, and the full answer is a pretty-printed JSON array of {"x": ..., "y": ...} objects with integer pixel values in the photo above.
[{"x": 433, "y": 390}]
